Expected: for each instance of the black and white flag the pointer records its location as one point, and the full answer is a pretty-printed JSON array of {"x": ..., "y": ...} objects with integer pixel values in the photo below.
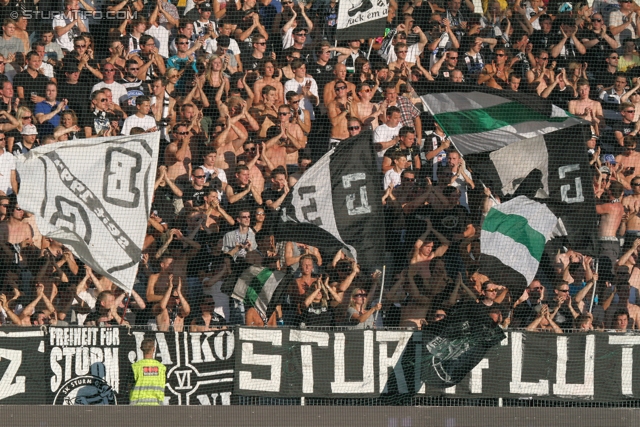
[
  {"x": 94, "y": 196},
  {"x": 337, "y": 204},
  {"x": 359, "y": 19},
  {"x": 520, "y": 145}
]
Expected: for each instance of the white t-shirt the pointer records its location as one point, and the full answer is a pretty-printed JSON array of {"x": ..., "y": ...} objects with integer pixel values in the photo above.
[
  {"x": 222, "y": 176},
  {"x": 297, "y": 88},
  {"x": 146, "y": 123},
  {"x": 412, "y": 53},
  {"x": 211, "y": 45},
  {"x": 117, "y": 90},
  {"x": 7, "y": 164},
  {"x": 220, "y": 298},
  {"x": 66, "y": 40},
  {"x": 161, "y": 37},
  {"x": 391, "y": 177},
  {"x": 461, "y": 184},
  {"x": 384, "y": 133}
]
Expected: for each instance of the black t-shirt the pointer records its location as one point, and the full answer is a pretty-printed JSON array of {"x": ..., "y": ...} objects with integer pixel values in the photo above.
[
  {"x": 561, "y": 98},
  {"x": 568, "y": 54},
  {"x": 249, "y": 62},
  {"x": 522, "y": 66},
  {"x": 604, "y": 78},
  {"x": 97, "y": 121},
  {"x": 215, "y": 322},
  {"x": 596, "y": 55},
  {"x": 447, "y": 222},
  {"x": 247, "y": 202},
  {"x": 624, "y": 128},
  {"x": 77, "y": 94},
  {"x": 196, "y": 196},
  {"x": 317, "y": 315},
  {"x": 30, "y": 85},
  {"x": 271, "y": 194},
  {"x": 409, "y": 153},
  {"x": 540, "y": 41},
  {"x": 322, "y": 74}
]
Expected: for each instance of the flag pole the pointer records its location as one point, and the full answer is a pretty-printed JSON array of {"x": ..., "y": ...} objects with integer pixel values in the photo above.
[
  {"x": 124, "y": 313},
  {"x": 593, "y": 295},
  {"x": 384, "y": 271},
  {"x": 370, "y": 47}
]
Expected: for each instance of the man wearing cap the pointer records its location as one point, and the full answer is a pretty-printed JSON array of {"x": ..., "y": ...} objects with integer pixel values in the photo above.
[
  {"x": 29, "y": 135},
  {"x": 205, "y": 26},
  {"x": 8, "y": 178}
]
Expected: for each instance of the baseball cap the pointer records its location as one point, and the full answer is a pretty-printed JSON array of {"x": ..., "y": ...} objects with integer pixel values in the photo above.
[
  {"x": 29, "y": 130},
  {"x": 605, "y": 169},
  {"x": 608, "y": 158},
  {"x": 206, "y": 6}
]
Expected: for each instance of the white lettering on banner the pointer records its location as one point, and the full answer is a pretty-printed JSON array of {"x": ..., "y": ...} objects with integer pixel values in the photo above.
[
  {"x": 225, "y": 398},
  {"x": 10, "y": 384},
  {"x": 79, "y": 349},
  {"x": 516, "y": 386},
  {"x": 627, "y": 342},
  {"x": 184, "y": 380},
  {"x": 245, "y": 378},
  {"x": 564, "y": 189},
  {"x": 340, "y": 385},
  {"x": 475, "y": 383},
  {"x": 385, "y": 362},
  {"x": 364, "y": 207},
  {"x": 320, "y": 338},
  {"x": 119, "y": 184},
  {"x": 561, "y": 388},
  {"x": 419, "y": 386},
  {"x": 199, "y": 349}
]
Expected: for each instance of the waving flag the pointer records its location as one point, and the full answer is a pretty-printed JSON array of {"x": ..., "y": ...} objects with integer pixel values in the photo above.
[
  {"x": 94, "y": 195},
  {"x": 359, "y": 19},
  {"x": 523, "y": 145}
]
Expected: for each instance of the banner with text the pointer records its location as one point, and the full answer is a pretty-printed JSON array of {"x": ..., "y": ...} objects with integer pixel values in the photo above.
[{"x": 288, "y": 363}]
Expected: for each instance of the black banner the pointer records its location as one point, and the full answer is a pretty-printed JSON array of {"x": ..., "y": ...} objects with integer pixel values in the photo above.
[{"x": 288, "y": 363}]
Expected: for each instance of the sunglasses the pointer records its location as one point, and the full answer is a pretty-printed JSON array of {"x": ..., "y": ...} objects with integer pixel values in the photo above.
[
  {"x": 250, "y": 150},
  {"x": 402, "y": 51},
  {"x": 103, "y": 99},
  {"x": 18, "y": 209},
  {"x": 182, "y": 133},
  {"x": 79, "y": 45},
  {"x": 536, "y": 289},
  {"x": 500, "y": 54},
  {"x": 353, "y": 128},
  {"x": 111, "y": 70},
  {"x": 629, "y": 111},
  {"x": 182, "y": 43},
  {"x": 283, "y": 114},
  {"x": 491, "y": 290},
  {"x": 262, "y": 43},
  {"x": 440, "y": 316},
  {"x": 340, "y": 88},
  {"x": 453, "y": 58},
  {"x": 596, "y": 20},
  {"x": 409, "y": 179},
  {"x": 27, "y": 118},
  {"x": 134, "y": 69},
  {"x": 613, "y": 57},
  {"x": 199, "y": 176},
  {"x": 2, "y": 139},
  {"x": 636, "y": 184},
  {"x": 301, "y": 34},
  {"x": 245, "y": 217},
  {"x": 284, "y": 3},
  {"x": 4, "y": 205},
  {"x": 260, "y": 213},
  {"x": 359, "y": 295},
  {"x": 563, "y": 290}
]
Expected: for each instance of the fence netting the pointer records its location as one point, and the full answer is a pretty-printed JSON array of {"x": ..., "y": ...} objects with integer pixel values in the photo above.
[{"x": 441, "y": 209}]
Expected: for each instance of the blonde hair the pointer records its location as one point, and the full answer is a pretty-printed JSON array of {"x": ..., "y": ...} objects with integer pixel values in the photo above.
[{"x": 353, "y": 293}]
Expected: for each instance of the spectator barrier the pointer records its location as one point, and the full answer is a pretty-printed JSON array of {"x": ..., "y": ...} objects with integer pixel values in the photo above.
[{"x": 92, "y": 366}]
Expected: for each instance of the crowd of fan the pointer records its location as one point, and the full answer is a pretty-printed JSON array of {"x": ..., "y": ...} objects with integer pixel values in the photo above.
[{"x": 249, "y": 94}]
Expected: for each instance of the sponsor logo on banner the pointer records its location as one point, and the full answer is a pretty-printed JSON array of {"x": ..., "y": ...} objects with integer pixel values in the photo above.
[
  {"x": 85, "y": 365},
  {"x": 199, "y": 365}
]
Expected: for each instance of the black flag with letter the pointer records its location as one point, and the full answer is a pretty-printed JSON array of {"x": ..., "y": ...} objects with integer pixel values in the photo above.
[
  {"x": 359, "y": 19},
  {"x": 337, "y": 204}
]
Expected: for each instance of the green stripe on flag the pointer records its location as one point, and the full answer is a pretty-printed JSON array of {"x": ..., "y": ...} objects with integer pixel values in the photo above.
[
  {"x": 255, "y": 287},
  {"x": 517, "y": 228},
  {"x": 491, "y": 118}
]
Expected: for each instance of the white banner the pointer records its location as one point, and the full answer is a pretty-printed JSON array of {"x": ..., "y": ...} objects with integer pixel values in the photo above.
[
  {"x": 94, "y": 196},
  {"x": 356, "y": 12}
]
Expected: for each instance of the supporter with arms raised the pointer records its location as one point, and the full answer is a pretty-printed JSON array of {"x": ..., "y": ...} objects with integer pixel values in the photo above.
[
  {"x": 172, "y": 310},
  {"x": 586, "y": 108}
]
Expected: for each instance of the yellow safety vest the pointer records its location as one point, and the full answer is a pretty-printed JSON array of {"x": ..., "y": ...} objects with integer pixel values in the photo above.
[{"x": 150, "y": 376}]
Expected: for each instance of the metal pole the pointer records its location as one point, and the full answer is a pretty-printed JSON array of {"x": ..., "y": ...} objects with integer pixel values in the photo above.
[
  {"x": 593, "y": 295},
  {"x": 384, "y": 271},
  {"x": 370, "y": 47}
]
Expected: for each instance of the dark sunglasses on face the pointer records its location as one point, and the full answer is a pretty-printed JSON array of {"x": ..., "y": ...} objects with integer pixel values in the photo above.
[{"x": 352, "y": 128}]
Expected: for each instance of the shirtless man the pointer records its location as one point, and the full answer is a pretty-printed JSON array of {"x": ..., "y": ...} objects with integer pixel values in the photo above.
[
  {"x": 630, "y": 225},
  {"x": 587, "y": 108},
  {"x": 177, "y": 155},
  {"x": 630, "y": 259},
  {"x": 266, "y": 113},
  {"x": 338, "y": 111},
  {"x": 251, "y": 159},
  {"x": 228, "y": 144},
  {"x": 282, "y": 148},
  {"x": 628, "y": 163},
  {"x": 172, "y": 264},
  {"x": 173, "y": 308},
  {"x": 611, "y": 215},
  {"x": 15, "y": 231},
  {"x": 423, "y": 253},
  {"x": 364, "y": 109},
  {"x": 329, "y": 94}
]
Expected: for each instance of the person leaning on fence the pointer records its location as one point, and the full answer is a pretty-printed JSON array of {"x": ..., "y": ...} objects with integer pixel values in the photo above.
[{"x": 149, "y": 376}]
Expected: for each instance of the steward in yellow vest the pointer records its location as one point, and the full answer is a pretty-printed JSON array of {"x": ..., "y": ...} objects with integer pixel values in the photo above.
[{"x": 150, "y": 377}]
